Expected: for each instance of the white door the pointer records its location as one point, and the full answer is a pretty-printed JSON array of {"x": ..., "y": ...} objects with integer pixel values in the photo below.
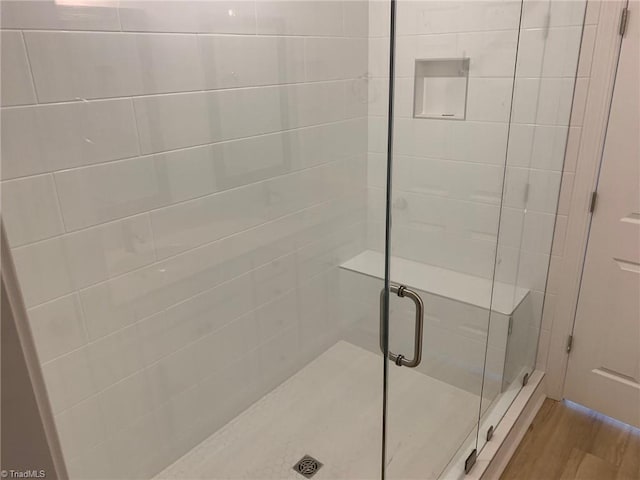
[{"x": 604, "y": 365}]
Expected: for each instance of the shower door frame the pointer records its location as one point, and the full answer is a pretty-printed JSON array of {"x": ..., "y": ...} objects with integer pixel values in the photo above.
[{"x": 384, "y": 314}]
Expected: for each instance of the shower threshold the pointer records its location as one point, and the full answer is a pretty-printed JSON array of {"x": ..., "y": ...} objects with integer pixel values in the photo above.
[{"x": 331, "y": 410}]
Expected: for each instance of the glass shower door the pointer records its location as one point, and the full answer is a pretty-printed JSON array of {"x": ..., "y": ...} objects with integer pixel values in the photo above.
[{"x": 453, "y": 79}]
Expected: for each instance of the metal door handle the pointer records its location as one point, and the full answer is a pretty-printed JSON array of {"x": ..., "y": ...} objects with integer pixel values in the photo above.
[{"x": 400, "y": 360}]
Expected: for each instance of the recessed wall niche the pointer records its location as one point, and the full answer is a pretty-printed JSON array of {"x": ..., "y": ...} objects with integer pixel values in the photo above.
[{"x": 440, "y": 88}]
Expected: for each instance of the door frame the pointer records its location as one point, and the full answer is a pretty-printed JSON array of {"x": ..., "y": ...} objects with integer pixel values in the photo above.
[{"x": 566, "y": 269}]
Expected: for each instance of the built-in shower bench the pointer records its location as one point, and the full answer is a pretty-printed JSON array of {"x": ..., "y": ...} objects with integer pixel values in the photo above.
[
  {"x": 458, "y": 328},
  {"x": 445, "y": 283}
]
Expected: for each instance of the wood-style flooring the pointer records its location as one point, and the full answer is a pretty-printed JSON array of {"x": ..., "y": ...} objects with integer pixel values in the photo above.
[{"x": 567, "y": 442}]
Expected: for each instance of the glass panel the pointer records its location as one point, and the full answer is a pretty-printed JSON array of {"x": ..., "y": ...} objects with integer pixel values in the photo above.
[
  {"x": 184, "y": 186},
  {"x": 195, "y": 198},
  {"x": 454, "y": 81},
  {"x": 549, "y": 47}
]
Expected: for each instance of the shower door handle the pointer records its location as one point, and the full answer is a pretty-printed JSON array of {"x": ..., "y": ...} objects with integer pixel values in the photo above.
[{"x": 399, "y": 359}]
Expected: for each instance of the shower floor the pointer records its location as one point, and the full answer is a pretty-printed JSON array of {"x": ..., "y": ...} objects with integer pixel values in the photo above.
[{"x": 331, "y": 410}]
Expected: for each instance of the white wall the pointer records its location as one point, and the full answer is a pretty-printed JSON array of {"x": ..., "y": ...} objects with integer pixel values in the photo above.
[
  {"x": 179, "y": 182},
  {"x": 449, "y": 175}
]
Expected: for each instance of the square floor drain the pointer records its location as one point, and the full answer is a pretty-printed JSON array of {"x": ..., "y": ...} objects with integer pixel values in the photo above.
[{"x": 307, "y": 466}]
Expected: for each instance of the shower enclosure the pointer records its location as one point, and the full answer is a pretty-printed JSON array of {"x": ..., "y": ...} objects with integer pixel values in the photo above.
[{"x": 260, "y": 239}]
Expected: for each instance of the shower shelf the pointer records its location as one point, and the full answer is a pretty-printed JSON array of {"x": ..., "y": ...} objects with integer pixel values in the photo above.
[{"x": 440, "y": 281}]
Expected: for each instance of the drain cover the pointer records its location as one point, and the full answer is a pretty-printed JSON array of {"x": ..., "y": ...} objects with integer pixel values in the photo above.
[{"x": 307, "y": 466}]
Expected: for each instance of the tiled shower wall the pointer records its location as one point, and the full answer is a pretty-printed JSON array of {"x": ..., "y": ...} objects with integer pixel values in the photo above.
[
  {"x": 448, "y": 174},
  {"x": 179, "y": 182},
  {"x": 554, "y": 61}
]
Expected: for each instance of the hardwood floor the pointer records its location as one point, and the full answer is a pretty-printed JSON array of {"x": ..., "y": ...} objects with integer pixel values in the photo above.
[{"x": 567, "y": 442}]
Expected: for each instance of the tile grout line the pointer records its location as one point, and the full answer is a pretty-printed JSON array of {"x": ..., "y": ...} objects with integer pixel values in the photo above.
[
  {"x": 96, "y": 393},
  {"x": 133, "y": 96},
  {"x": 345, "y": 160},
  {"x": 31, "y": 75},
  {"x": 202, "y": 246},
  {"x": 190, "y": 147}
]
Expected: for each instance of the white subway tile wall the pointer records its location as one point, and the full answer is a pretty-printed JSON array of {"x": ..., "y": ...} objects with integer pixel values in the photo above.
[
  {"x": 180, "y": 181},
  {"x": 47, "y": 138},
  {"x": 447, "y": 173},
  {"x": 450, "y": 176},
  {"x": 438, "y": 160},
  {"x": 17, "y": 87}
]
